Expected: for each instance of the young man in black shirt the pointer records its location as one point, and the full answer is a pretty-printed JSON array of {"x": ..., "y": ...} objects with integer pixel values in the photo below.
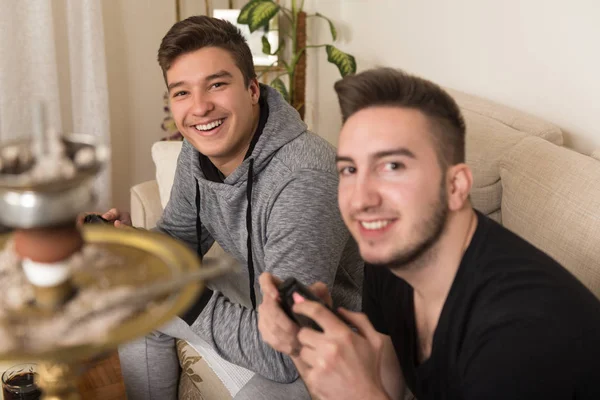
[{"x": 458, "y": 307}]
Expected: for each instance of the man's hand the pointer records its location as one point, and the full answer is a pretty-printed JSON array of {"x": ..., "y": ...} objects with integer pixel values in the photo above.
[
  {"x": 120, "y": 219},
  {"x": 276, "y": 329},
  {"x": 339, "y": 363}
]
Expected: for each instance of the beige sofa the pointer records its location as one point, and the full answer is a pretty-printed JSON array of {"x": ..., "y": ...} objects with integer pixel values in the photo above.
[{"x": 524, "y": 179}]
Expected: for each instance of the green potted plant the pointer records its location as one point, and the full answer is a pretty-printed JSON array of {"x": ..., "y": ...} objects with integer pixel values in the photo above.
[{"x": 257, "y": 14}]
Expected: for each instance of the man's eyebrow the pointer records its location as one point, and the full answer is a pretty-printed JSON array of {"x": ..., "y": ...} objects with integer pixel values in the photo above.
[
  {"x": 174, "y": 85},
  {"x": 218, "y": 75},
  {"x": 342, "y": 158},
  {"x": 211, "y": 77},
  {"x": 402, "y": 151}
]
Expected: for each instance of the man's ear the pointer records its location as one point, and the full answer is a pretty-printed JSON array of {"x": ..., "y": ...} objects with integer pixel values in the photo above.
[
  {"x": 254, "y": 89},
  {"x": 459, "y": 182}
]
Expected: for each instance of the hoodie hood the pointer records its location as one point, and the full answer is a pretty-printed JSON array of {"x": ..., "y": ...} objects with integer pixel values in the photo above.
[{"x": 277, "y": 133}]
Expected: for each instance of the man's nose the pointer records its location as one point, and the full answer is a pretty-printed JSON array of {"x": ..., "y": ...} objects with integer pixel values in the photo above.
[
  {"x": 365, "y": 194},
  {"x": 202, "y": 104}
]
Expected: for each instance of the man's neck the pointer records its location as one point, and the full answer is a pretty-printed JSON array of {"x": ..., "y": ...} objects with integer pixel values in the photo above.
[
  {"x": 432, "y": 278},
  {"x": 229, "y": 164}
]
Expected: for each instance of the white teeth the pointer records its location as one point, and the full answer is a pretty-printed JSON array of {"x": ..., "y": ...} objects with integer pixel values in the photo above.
[
  {"x": 209, "y": 126},
  {"x": 373, "y": 225}
]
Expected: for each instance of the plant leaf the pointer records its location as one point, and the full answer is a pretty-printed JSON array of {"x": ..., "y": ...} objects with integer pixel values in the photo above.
[
  {"x": 331, "y": 26},
  {"x": 344, "y": 61},
  {"x": 244, "y": 17},
  {"x": 281, "y": 47},
  {"x": 278, "y": 85},
  {"x": 266, "y": 46},
  {"x": 261, "y": 14}
]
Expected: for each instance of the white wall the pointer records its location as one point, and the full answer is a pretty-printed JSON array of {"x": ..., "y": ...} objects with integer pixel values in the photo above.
[
  {"x": 540, "y": 56},
  {"x": 133, "y": 31}
]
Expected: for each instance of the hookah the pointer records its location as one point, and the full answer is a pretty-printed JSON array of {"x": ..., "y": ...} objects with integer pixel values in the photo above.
[{"x": 69, "y": 292}]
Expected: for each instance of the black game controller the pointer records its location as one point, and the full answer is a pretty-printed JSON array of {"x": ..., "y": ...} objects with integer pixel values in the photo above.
[
  {"x": 286, "y": 290},
  {"x": 95, "y": 219}
]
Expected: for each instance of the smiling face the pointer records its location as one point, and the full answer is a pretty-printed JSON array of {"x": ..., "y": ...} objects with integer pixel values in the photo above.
[
  {"x": 392, "y": 192},
  {"x": 212, "y": 106}
]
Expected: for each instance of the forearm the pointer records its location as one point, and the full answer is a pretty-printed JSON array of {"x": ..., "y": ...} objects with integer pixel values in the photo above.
[
  {"x": 390, "y": 372},
  {"x": 232, "y": 330}
]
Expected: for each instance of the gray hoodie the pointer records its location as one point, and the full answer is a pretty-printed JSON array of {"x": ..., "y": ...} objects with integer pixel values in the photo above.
[{"x": 281, "y": 203}]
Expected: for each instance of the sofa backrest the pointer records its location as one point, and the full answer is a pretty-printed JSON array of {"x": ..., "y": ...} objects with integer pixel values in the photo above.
[
  {"x": 492, "y": 130},
  {"x": 551, "y": 198}
]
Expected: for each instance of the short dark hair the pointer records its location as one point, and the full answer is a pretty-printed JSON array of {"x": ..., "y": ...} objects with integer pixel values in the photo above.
[
  {"x": 396, "y": 88},
  {"x": 200, "y": 31}
]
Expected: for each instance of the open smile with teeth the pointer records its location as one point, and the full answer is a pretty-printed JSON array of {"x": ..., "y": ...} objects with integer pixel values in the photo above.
[
  {"x": 375, "y": 225},
  {"x": 210, "y": 126}
]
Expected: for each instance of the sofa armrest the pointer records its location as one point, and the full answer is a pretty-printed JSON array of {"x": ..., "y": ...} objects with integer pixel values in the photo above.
[{"x": 146, "y": 208}]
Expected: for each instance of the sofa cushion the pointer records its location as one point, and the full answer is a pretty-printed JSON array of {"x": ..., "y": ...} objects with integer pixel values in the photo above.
[
  {"x": 551, "y": 197},
  {"x": 514, "y": 118},
  {"x": 492, "y": 130},
  {"x": 198, "y": 380},
  {"x": 164, "y": 155},
  {"x": 487, "y": 140}
]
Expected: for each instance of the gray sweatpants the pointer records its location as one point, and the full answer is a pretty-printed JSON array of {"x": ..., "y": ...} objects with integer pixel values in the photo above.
[{"x": 151, "y": 369}]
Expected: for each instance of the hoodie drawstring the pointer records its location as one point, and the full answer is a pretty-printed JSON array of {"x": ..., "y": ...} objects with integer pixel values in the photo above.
[
  {"x": 190, "y": 315},
  {"x": 198, "y": 222},
  {"x": 249, "y": 230}
]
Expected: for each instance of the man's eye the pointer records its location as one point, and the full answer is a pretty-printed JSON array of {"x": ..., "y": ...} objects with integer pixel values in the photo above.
[
  {"x": 346, "y": 170},
  {"x": 392, "y": 166},
  {"x": 217, "y": 85},
  {"x": 180, "y": 93}
]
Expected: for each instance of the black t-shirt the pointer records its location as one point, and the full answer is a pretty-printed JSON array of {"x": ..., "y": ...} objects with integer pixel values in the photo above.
[{"x": 515, "y": 325}]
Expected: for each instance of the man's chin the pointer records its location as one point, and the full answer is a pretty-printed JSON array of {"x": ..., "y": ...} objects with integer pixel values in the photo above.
[
  {"x": 392, "y": 259},
  {"x": 376, "y": 259},
  {"x": 207, "y": 149}
]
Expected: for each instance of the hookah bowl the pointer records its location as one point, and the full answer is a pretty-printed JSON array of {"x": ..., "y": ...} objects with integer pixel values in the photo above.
[{"x": 42, "y": 215}]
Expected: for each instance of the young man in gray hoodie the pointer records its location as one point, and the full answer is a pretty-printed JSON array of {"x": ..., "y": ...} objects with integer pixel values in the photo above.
[{"x": 251, "y": 177}]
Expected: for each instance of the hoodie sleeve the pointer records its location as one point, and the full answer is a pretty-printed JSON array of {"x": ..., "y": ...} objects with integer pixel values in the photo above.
[
  {"x": 305, "y": 238},
  {"x": 179, "y": 219}
]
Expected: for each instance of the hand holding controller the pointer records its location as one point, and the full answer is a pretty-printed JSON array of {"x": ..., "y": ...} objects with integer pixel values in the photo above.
[
  {"x": 286, "y": 292},
  {"x": 95, "y": 219}
]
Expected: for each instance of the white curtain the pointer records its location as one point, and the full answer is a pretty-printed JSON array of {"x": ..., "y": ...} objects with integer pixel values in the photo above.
[{"x": 53, "y": 51}]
